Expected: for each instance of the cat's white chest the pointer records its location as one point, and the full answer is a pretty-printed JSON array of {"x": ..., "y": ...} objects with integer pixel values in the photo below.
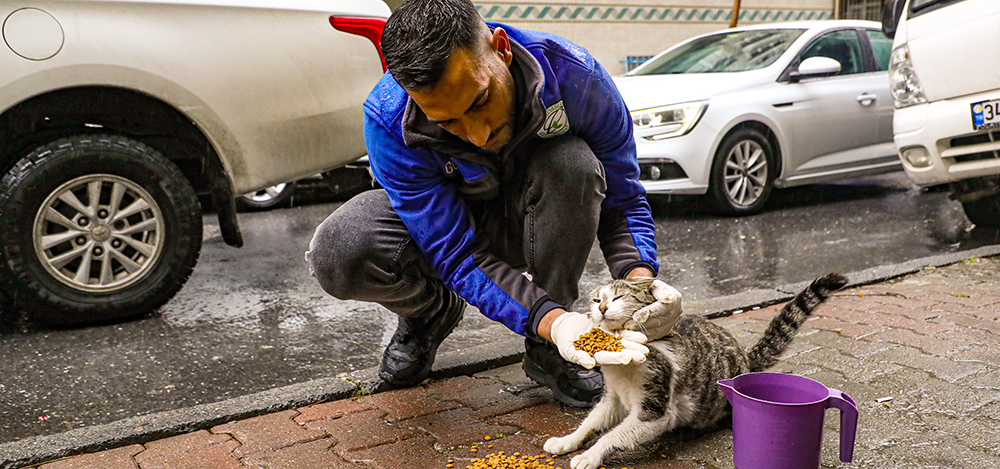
[{"x": 625, "y": 382}]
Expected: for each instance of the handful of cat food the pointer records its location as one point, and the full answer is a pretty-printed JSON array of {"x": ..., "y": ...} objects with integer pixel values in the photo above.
[{"x": 597, "y": 340}]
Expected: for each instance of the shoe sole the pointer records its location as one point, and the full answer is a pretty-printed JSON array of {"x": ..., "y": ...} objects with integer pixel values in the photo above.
[{"x": 539, "y": 376}]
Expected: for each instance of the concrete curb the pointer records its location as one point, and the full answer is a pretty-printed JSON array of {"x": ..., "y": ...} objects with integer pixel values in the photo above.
[{"x": 504, "y": 351}]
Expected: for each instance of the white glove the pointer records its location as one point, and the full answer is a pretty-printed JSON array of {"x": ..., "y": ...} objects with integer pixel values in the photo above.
[
  {"x": 659, "y": 317},
  {"x": 568, "y": 327}
]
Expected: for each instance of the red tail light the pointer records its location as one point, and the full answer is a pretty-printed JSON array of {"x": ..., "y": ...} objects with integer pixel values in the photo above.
[{"x": 370, "y": 28}]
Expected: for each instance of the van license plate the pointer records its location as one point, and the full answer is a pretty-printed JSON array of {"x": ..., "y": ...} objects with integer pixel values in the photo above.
[{"x": 986, "y": 114}]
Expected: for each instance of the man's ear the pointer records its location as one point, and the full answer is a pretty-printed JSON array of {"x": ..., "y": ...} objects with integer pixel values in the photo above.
[{"x": 501, "y": 44}]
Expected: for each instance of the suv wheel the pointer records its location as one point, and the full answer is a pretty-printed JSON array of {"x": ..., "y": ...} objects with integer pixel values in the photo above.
[
  {"x": 984, "y": 210},
  {"x": 96, "y": 228}
]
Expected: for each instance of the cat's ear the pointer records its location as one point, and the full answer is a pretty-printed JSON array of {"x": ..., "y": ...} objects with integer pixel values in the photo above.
[{"x": 642, "y": 283}]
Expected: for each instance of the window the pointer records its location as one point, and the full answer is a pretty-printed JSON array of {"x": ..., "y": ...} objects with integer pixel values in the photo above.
[
  {"x": 862, "y": 9},
  {"x": 725, "y": 52},
  {"x": 633, "y": 61},
  {"x": 881, "y": 47},
  {"x": 842, "y": 46}
]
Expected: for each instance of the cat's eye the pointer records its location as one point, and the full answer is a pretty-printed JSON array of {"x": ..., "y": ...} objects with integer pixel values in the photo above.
[
  {"x": 596, "y": 300},
  {"x": 618, "y": 297}
]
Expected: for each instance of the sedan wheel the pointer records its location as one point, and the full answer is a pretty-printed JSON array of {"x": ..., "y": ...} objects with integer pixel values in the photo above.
[{"x": 742, "y": 173}]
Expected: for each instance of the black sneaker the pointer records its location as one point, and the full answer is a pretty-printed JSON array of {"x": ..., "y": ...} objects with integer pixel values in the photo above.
[
  {"x": 408, "y": 358},
  {"x": 571, "y": 384}
]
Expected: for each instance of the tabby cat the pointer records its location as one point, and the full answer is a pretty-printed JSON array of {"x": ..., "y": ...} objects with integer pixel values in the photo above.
[{"x": 676, "y": 386}]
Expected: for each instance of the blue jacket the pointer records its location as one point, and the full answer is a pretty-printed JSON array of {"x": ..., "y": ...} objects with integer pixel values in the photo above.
[{"x": 430, "y": 176}]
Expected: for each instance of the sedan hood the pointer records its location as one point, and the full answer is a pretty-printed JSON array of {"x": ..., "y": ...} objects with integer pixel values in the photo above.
[{"x": 646, "y": 91}]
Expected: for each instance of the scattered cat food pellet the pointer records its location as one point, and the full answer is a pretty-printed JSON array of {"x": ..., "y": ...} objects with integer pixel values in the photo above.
[
  {"x": 597, "y": 340},
  {"x": 487, "y": 438},
  {"x": 515, "y": 461}
]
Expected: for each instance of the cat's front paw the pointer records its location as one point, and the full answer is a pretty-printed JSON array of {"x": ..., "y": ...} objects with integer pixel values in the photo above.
[
  {"x": 588, "y": 460},
  {"x": 557, "y": 445}
]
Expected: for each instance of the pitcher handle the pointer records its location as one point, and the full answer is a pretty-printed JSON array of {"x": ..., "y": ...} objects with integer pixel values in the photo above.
[{"x": 848, "y": 422}]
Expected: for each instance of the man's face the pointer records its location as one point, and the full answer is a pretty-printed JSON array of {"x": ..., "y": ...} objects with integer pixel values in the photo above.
[{"x": 474, "y": 100}]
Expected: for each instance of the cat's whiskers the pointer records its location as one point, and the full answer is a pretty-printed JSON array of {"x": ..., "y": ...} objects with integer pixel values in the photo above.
[{"x": 642, "y": 328}]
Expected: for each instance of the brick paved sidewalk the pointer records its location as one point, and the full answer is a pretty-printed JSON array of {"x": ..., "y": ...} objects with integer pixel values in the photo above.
[{"x": 929, "y": 341}]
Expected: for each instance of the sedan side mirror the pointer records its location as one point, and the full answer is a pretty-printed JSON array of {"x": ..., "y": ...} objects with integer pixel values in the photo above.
[
  {"x": 814, "y": 67},
  {"x": 891, "y": 12}
]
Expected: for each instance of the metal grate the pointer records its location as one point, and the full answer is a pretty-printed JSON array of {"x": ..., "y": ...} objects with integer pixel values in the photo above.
[
  {"x": 633, "y": 61},
  {"x": 974, "y": 147}
]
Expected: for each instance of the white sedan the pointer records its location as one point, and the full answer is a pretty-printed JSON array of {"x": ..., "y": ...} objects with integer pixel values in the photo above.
[
  {"x": 738, "y": 112},
  {"x": 116, "y": 115}
]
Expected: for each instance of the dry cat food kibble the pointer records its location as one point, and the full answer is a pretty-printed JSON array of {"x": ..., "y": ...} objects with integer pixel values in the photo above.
[
  {"x": 499, "y": 461},
  {"x": 515, "y": 461},
  {"x": 597, "y": 340}
]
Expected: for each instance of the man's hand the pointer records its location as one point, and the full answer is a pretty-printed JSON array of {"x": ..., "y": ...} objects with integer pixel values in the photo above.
[
  {"x": 568, "y": 327},
  {"x": 659, "y": 317}
]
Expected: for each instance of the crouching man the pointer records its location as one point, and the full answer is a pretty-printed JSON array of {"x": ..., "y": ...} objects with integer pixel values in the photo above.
[{"x": 501, "y": 151}]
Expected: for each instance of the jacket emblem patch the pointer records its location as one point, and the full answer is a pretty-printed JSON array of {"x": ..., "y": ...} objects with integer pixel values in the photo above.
[
  {"x": 556, "y": 122},
  {"x": 450, "y": 167}
]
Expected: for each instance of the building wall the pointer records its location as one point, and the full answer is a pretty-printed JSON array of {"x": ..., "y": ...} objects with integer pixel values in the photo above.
[{"x": 612, "y": 30}]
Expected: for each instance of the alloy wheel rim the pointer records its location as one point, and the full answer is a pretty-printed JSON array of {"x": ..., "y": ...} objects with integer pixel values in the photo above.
[
  {"x": 267, "y": 194},
  {"x": 99, "y": 233},
  {"x": 745, "y": 175}
]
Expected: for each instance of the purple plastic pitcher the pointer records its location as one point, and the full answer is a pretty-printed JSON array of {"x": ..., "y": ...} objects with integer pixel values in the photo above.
[{"x": 778, "y": 420}]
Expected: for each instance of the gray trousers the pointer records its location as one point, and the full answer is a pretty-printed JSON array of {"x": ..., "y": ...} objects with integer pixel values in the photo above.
[{"x": 545, "y": 225}]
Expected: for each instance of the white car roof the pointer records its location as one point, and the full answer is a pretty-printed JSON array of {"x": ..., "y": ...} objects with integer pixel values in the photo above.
[{"x": 825, "y": 24}]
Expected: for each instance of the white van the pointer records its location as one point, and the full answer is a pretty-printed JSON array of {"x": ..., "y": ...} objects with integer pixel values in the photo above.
[{"x": 944, "y": 73}]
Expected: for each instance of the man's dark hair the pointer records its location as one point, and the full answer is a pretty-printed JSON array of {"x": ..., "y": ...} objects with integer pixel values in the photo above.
[{"x": 421, "y": 35}]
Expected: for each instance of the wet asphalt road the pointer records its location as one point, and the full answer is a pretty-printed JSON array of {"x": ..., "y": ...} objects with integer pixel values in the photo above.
[{"x": 252, "y": 319}]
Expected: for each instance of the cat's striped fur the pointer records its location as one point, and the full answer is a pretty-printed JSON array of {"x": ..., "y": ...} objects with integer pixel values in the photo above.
[{"x": 676, "y": 386}]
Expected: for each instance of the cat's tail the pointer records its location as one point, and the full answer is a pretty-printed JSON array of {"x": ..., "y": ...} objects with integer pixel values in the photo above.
[{"x": 784, "y": 326}]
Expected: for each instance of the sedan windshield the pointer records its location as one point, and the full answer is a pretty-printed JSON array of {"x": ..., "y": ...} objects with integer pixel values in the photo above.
[{"x": 725, "y": 52}]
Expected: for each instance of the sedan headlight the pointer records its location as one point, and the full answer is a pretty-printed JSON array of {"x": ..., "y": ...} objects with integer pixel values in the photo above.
[
  {"x": 668, "y": 121},
  {"x": 903, "y": 82}
]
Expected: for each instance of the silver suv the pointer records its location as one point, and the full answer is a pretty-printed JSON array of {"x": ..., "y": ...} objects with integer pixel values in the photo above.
[{"x": 115, "y": 116}]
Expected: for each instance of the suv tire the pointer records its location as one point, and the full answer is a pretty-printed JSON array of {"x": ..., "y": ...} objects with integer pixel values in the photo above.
[
  {"x": 984, "y": 211},
  {"x": 96, "y": 228}
]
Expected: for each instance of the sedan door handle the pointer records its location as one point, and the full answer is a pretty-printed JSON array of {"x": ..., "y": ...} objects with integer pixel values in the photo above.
[{"x": 866, "y": 99}]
